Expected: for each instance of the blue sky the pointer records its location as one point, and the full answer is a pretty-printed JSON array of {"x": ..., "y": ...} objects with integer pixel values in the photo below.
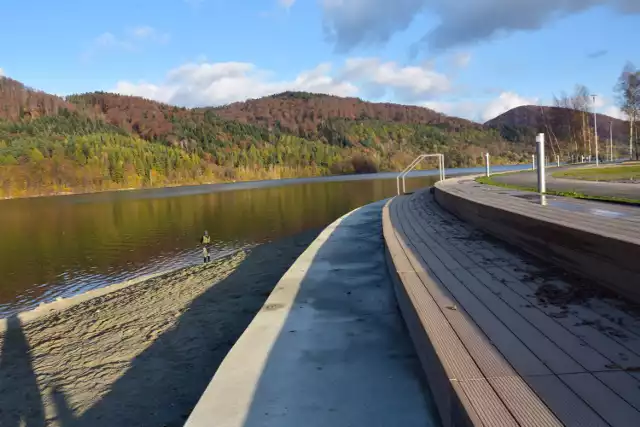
[{"x": 472, "y": 58}]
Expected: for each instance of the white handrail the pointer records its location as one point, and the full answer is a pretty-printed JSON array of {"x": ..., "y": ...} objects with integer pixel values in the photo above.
[{"x": 413, "y": 164}]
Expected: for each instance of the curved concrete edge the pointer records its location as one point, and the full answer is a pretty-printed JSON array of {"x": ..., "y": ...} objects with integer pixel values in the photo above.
[
  {"x": 599, "y": 258},
  {"x": 328, "y": 346},
  {"x": 61, "y": 304}
]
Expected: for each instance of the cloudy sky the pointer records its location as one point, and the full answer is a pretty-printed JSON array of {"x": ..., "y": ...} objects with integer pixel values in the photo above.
[{"x": 471, "y": 58}]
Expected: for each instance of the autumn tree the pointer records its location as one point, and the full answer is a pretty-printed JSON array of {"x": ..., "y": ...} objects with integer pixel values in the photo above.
[{"x": 628, "y": 98}]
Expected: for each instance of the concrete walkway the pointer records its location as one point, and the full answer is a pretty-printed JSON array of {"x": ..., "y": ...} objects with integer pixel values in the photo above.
[
  {"x": 591, "y": 188},
  {"x": 329, "y": 347}
]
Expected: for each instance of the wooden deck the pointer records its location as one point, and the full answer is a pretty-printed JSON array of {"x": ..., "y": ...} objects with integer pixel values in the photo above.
[
  {"x": 597, "y": 241},
  {"x": 504, "y": 340}
]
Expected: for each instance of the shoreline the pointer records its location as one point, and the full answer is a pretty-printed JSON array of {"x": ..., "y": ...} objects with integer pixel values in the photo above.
[
  {"x": 345, "y": 177},
  {"x": 140, "y": 352},
  {"x": 61, "y": 304}
]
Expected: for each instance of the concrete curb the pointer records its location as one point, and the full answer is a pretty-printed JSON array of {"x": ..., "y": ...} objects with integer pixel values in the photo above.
[{"x": 324, "y": 349}]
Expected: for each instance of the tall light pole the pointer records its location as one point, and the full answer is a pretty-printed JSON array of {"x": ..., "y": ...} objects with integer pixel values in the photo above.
[
  {"x": 611, "y": 140},
  {"x": 595, "y": 127}
]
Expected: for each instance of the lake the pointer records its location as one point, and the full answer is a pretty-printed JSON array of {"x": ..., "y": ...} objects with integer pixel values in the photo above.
[{"x": 61, "y": 246}]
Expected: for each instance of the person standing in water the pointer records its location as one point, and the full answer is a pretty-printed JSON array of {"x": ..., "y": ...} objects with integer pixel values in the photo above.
[{"x": 205, "y": 241}]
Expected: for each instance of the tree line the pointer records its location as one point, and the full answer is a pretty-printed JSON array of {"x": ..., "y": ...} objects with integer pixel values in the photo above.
[
  {"x": 571, "y": 126},
  {"x": 107, "y": 143}
]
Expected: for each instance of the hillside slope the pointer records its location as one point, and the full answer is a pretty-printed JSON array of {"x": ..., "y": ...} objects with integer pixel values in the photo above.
[
  {"x": 522, "y": 123},
  {"x": 100, "y": 141},
  {"x": 302, "y": 113}
]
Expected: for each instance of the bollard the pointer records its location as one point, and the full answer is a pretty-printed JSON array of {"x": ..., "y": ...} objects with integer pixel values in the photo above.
[
  {"x": 487, "y": 166},
  {"x": 558, "y": 160},
  {"x": 542, "y": 188},
  {"x": 533, "y": 159}
]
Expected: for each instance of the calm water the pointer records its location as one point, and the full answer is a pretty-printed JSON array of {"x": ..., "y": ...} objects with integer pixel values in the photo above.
[{"x": 61, "y": 246}]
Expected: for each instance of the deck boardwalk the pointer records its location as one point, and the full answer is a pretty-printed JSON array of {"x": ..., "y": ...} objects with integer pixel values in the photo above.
[{"x": 509, "y": 341}]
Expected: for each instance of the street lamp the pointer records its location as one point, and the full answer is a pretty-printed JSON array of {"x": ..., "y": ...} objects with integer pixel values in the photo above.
[
  {"x": 611, "y": 140},
  {"x": 595, "y": 126}
]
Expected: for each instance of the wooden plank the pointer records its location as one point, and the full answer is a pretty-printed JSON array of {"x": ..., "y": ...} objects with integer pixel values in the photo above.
[
  {"x": 455, "y": 360},
  {"x": 538, "y": 343},
  {"x": 491, "y": 413},
  {"x": 605, "y": 402},
  {"x": 581, "y": 220},
  {"x": 477, "y": 306},
  {"x": 524, "y": 403},
  {"x": 570, "y": 409},
  {"x": 579, "y": 350},
  {"x": 604, "y": 344},
  {"x": 574, "y": 346},
  {"x": 617, "y": 226},
  {"x": 623, "y": 384},
  {"x": 501, "y": 338}
]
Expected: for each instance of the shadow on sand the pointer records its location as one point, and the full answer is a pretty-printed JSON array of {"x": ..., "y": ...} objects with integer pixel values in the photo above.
[
  {"x": 19, "y": 406},
  {"x": 164, "y": 382},
  {"x": 333, "y": 353}
]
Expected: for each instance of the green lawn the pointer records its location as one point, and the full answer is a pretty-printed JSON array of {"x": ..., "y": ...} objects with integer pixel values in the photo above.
[
  {"x": 609, "y": 173},
  {"x": 575, "y": 195}
]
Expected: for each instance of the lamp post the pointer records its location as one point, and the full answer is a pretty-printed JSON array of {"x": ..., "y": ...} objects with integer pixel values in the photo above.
[
  {"x": 595, "y": 127},
  {"x": 611, "y": 141},
  {"x": 542, "y": 187},
  {"x": 488, "y": 168}
]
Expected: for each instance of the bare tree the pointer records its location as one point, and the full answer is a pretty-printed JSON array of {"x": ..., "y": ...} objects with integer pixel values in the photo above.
[
  {"x": 564, "y": 119},
  {"x": 549, "y": 130},
  {"x": 628, "y": 97},
  {"x": 581, "y": 103}
]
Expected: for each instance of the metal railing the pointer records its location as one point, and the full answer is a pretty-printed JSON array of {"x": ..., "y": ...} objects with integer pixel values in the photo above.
[{"x": 413, "y": 164}]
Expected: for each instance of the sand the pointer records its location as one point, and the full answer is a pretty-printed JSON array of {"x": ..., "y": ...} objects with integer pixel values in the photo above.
[{"x": 140, "y": 355}]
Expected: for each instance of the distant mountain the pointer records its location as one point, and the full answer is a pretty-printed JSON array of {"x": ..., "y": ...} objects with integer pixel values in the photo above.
[
  {"x": 302, "y": 113},
  {"x": 99, "y": 141},
  {"x": 523, "y": 123},
  {"x": 18, "y": 101}
]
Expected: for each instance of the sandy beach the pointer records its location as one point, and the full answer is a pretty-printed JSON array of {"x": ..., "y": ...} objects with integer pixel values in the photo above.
[{"x": 141, "y": 355}]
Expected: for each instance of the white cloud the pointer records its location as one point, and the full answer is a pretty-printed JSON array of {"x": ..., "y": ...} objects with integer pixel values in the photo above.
[
  {"x": 108, "y": 40},
  {"x": 461, "y": 22},
  {"x": 146, "y": 32},
  {"x": 1, "y": 72},
  {"x": 462, "y": 59},
  {"x": 613, "y": 111},
  {"x": 505, "y": 102},
  {"x": 132, "y": 40},
  {"x": 286, "y": 3},
  {"x": 407, "y": 84},
  {"x": 482, "y": 110},
  {"x": 205, "y": 84}
]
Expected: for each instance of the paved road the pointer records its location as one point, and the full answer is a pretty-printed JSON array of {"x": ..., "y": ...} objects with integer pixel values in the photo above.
[{"x": 591, "y": 188}]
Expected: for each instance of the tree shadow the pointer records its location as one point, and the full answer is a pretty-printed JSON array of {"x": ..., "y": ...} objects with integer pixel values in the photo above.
[
  {"x": 164, "y": 382},
  {"x": 20, "y": 399},
  {"x": 331, "y": 347}
]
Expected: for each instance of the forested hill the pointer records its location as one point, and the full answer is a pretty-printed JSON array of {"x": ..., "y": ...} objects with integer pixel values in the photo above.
[
  {"x": 303, "y": 113},
  {"x": 100, "y": 141},
  {"x": 522, "y": 123}
]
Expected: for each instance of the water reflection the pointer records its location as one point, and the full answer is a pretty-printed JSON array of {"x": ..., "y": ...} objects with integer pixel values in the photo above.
[{"x": 58, "y": 247}]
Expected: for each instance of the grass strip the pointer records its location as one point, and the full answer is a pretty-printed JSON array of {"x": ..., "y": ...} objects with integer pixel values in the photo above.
[
  {"x": 615, "y": 173},
  {"x": 574, "y": 194}
]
